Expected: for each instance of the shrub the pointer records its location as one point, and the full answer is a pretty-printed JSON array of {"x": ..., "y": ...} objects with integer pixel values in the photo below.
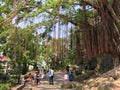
[{"x": 4, "y": 86}]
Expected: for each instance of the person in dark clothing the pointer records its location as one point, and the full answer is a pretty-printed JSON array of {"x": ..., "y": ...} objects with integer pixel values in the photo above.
[
  {"x": 70, "y": 76},
  {"x": 67, "y": 68},
  {"x": 37, "y": 77},
  {"x": 51, "y": 75},
  {"x": 44, "y": 74}
]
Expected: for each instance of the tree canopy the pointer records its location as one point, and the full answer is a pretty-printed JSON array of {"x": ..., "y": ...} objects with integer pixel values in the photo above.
[{"x": 26, "y": 27}]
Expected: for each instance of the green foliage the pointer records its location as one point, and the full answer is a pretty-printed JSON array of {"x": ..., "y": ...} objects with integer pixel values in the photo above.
[
  {"x": 24, "y": 67},
  {"x": 21, "y": 42},
  {"x": 1, "y": 66},
  {"x": 79, "y": 16},
  {"x": 2, "y": 76},
  {"x": 4, "y": 86},
  {"x": 3, "y": 35},
  {"x": 71, "y": 57},
  {"x": 11, "y": 81},
  {"x": 35, "y": 66},
  {"x": 20, "y": 38},
  {"x": 110, "y": 2}
]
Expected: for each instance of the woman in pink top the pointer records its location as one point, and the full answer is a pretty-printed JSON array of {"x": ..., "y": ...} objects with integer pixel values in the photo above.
[{"x": 65, "y": 78}]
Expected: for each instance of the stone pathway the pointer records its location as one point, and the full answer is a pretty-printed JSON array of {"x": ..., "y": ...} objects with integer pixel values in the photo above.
[{"x": 44, "y": 85}]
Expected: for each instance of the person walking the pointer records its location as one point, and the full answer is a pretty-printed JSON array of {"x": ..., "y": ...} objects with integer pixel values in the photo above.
[{"x": 51, "y": 76}]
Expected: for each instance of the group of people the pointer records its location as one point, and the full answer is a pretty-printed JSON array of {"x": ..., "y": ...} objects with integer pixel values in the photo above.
[
  {"x": 37, "y": 76},
  {"x": 68, "y": 76}
]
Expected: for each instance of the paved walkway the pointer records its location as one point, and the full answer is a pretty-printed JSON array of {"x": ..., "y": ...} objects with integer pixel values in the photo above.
[{"x": 44, "y": 85}]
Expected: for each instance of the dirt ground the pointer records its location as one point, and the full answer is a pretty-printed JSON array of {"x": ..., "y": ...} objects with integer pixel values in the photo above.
[
  {"x": 44, "y": 84},
  {"x": 58, "y": 81}
]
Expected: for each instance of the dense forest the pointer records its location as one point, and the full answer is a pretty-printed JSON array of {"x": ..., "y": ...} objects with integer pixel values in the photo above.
[{"x": 59, "y": 33}]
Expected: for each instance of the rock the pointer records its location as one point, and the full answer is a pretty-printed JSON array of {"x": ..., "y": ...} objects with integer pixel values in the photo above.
[
  {"x": 106, "y": 86},
  {"x": 86, "y": 87},
  {"x": 96, "y": 82},
  {"x": 69, "y": 85},
  {"x": 117, "y": 83},
  {"x": 80, "y": 87},
  {"x": 111, "y": 79},
  {"x": 94, "y": 88}
]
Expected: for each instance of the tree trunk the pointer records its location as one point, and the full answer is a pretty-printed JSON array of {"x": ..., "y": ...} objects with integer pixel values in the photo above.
[
  {"x": 78, "y": 61},
  {"x": 107, "y": 28}
]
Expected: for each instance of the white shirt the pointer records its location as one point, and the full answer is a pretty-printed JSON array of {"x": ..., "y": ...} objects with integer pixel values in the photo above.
[{"x": 51, "y": 72}]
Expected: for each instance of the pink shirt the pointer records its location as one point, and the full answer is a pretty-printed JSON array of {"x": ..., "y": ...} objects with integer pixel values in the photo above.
[{"x": 65, "y": 77}]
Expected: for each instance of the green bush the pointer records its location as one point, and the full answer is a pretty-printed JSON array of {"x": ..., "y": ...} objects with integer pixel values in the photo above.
[
  {"x": 11, "y": 81},
  {"x": 4, "y": 86}
]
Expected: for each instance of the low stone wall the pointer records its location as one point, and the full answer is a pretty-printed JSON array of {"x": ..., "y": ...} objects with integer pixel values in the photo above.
[{"x": 19, "y": 87}]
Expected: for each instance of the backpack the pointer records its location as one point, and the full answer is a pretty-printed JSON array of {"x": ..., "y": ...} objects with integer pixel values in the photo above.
[{"x": 70, "y": 77}]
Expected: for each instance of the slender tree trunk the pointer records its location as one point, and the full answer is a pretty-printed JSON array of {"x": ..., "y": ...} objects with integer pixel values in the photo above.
[
  {"x": 71, "y": 39},
  {"x": 14, "y": 54},
  {"x": 55, "y": 46},
  {"x": 78, "y": 61},
  {"x": 36, "y": 51},
  {"x": 66, "y": 41},
  {"x": 47, "y": 48},
  {"x": 59, "y": 31}
]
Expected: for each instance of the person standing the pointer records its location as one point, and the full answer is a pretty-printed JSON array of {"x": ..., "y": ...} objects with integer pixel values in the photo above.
[
  {"x": 66, "y": 78},
  {"x": 70, "y": 75},
  {"x": 37, "y": 77},
  {"x": 67, "y": 69},
  {"x": 51, "y": 76},
  {"x": 30, "y": 77},
  {"x": 42, "y": 73}
]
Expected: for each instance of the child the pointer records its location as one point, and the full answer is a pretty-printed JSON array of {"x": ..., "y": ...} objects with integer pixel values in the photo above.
[
  {"x": 42, "y": 76},
  {"x": 29, "y": 77},
  {"x": 66, "y": 78}
]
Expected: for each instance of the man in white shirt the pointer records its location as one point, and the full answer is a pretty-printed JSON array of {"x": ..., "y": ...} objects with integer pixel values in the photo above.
[{"x": 51, "y": 75}]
